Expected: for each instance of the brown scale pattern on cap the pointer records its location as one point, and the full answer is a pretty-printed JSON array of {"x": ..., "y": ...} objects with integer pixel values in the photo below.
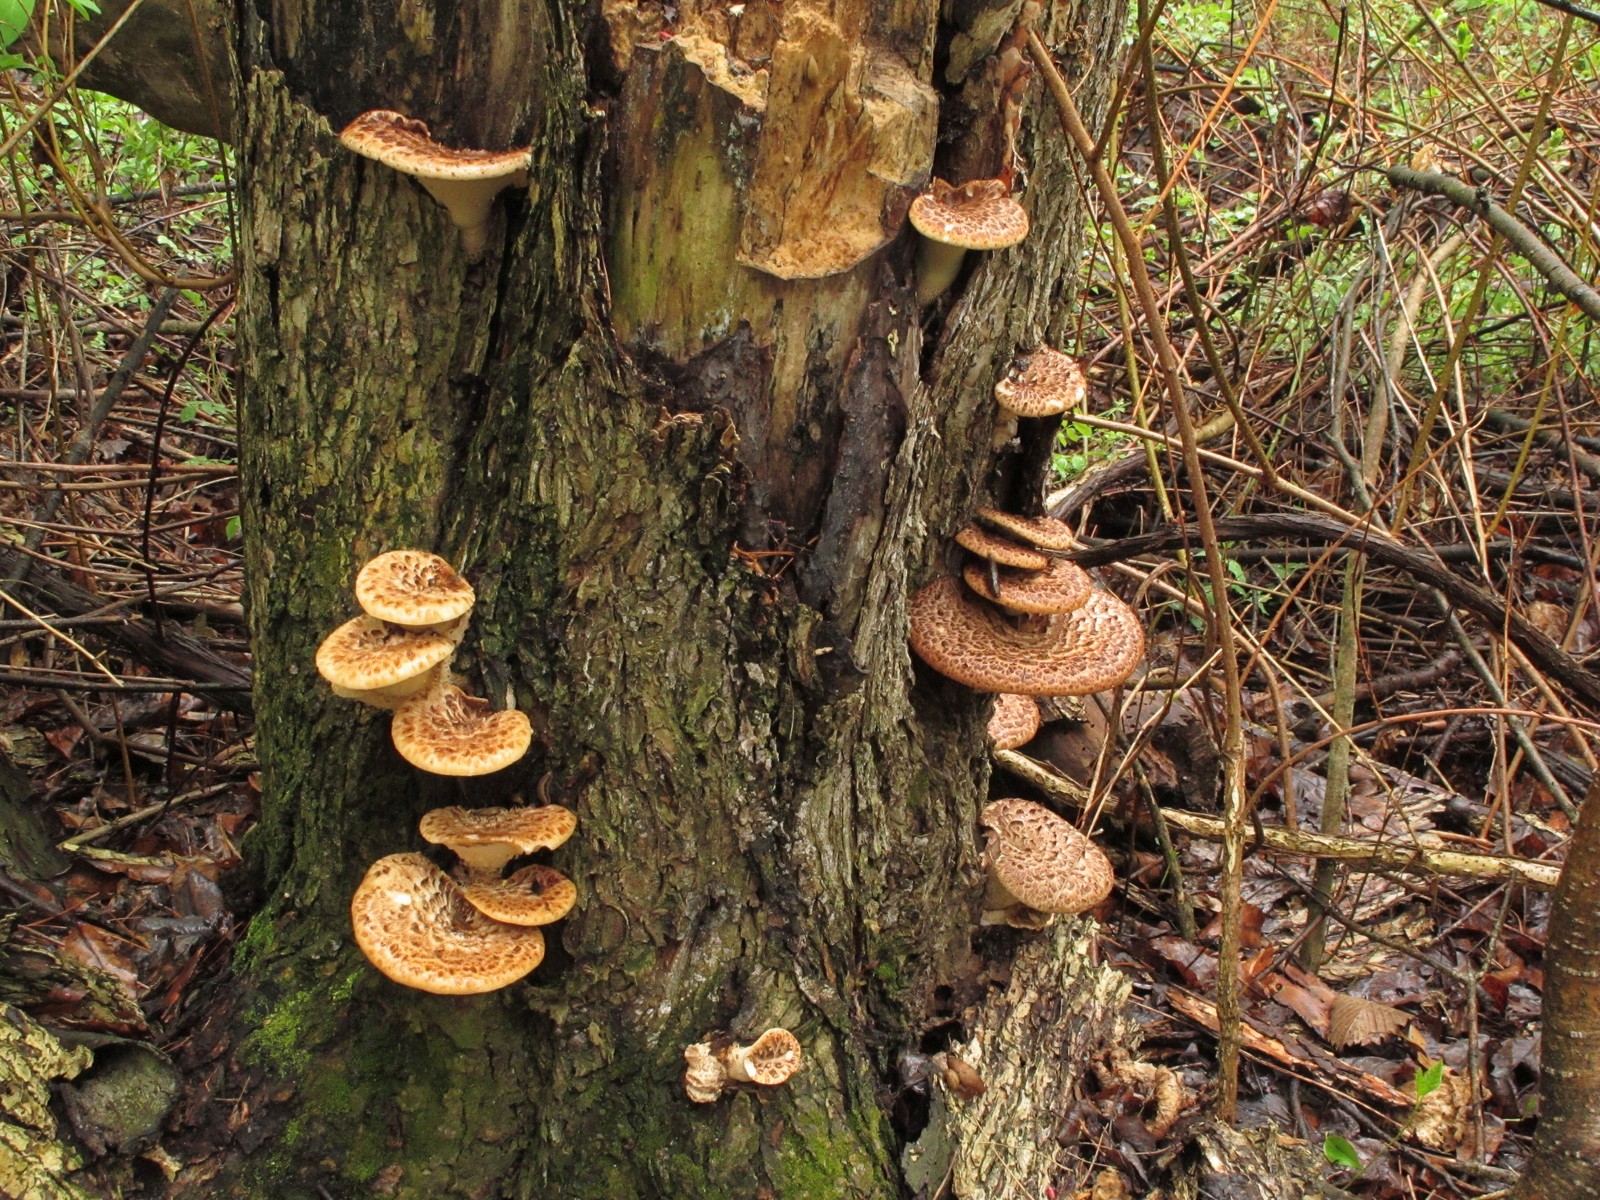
[
  {"x": 1046, "y": 533},
  {"x": 446, "y": 732},
  {"x": 1001, "y": 550},
  {"x": 488, "y": 838},
  {"x": 1041, "y": 383},
  {"x": 773, "y": 1058},
  {"x": 364, "y": 654},
  {"x": 412, "y": 924},
  {"x": 535, "y": 895},
  {"x": 1077, "y": 653},
  {"x": 405, "y": 144},
  {"x": 1043, "y": 860},
  {"x": 1062, "y": 587},
  {"x": 1014, "y": 721},
  {"x": 413, "y": 588},
  {"x": 978, "y": 215}
]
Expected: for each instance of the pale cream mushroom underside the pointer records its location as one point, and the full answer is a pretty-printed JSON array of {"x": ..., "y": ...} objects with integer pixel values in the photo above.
[
  {"x": 952, "y": 219},
  {"x": 486, "y": 839},
  {"x": 772, "y": 1059},
  {"x": 367, "y": 660},
  {"x": 410, "y": 920},
  {"x": 1040, "y": 861},
  {"x": 444, "y": 731},
  {"x": 415, "y": 589},
  {"x": 464, "y": 181}
]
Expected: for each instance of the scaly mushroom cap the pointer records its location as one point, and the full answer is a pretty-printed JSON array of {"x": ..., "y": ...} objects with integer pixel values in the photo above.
[
  {"x": 486, "y": 839},
  {"x": 464, "y": 181},
  {"x": 977, "y": 215},
  {"x": 1062, "y": 587},
  {"x": 365, "y": 655},
  {"x": 1014, "y": 721},
  {"x": 405, "y": 144},
  {"x": 1041, "y": 383},
  {"x": 1046, "y": 533},
  {"x": 446, "y": 732},
  {"x": 1043, "y": 861},
  {"x": 412, "y": 924},
  {"x": 412, "y": 588},
  {"x": 1088, "y": 650},
  {"x": 1001, "y": 550},
  {"x": 535, "y": 895},
  {"x": 770, "y": 1060}
]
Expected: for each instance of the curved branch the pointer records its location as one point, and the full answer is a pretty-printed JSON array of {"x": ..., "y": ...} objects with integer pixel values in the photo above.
[
  {"x": 1522, "y": 239},
  {"x": 1541, "y": 651}
]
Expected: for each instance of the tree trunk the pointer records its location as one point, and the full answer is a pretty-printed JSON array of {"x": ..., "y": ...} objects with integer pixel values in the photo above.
[{"x": 693, "y": 496}]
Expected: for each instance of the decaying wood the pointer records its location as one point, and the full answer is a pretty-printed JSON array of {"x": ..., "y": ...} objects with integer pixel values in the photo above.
[{"x": 34, "y": 1160}]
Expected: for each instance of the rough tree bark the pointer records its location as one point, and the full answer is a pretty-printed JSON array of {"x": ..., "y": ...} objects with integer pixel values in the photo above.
[{"x": 693, "y": 496}]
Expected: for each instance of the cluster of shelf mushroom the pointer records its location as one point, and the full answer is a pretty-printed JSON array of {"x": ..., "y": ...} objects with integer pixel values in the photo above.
[
  {"x": 396, "y": 656},
  {"x": 479, "y": 930},
  {"x": 1024, "y": 621}
]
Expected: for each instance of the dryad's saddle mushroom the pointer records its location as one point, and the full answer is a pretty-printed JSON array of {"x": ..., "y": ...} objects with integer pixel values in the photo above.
[
  {"x": 379, "y": 664},
  {"x": 446, "y": 732},
  {"x": 486, "y": 839},
  {"x": 771, "y": 1059},
  {"x": 952, "y": 219},
  {"x": 1092, "y": 648},
  {"x": 1014, "y": 721},
  {"x": 464, "y": 181},
  {"x": 1041, "y": 383},
  {"x": 414, "y": 589},
  {"x": 1041, "y": 862},
  {"x": 412, "y": 923}
]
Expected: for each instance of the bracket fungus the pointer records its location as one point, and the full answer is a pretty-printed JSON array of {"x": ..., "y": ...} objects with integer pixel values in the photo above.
[
  {"x": 414, "y": 926},
  {"x": 1044, "y": 533},
  {"x": 535, "y": 895},
  {"x": 1004, "y": 551},
  {"x": 486, "y": 839},
  {"x": 772, "y": 1059},
  {"x": 1041, "y": 383},
  {"x": 1014, "y": 722},
  {"x": 378, "y": 664},
  {"x": 464, "y": 181},
  {"x": 1092, "y": 648},
  {"x": 414, "y": 589},
  {"x": 954, "y": 218},
  {"x": 444, "y": 731},
  {"x": 1062, "y": 587},
  {"x": 1038, "y": 863}
]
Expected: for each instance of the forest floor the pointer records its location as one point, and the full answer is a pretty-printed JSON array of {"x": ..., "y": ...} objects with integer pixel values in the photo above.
[{"x": 1392, "y": 362}]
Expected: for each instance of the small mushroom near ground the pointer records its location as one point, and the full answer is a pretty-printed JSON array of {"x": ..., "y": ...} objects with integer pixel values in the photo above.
[
  {"x": 486, "y": 839},
  {"x": 444, "y": 731},
  {"x": 414, "y": 589},
  {"x": 413, "y": 925},
  {"x": 1088, "y": 650},
  {"x": 378, "y": 664},
  {"x": 1014, "y": 721},
  {"x": 464, "y": 181},
  {"x": 772, "y": 1059},
  {"x": 952, "y": 219},
  {"x": 1041, "y": 862}
]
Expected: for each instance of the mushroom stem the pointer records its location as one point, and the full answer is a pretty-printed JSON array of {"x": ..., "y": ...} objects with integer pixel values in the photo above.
[{"x": 938, "y": 264}]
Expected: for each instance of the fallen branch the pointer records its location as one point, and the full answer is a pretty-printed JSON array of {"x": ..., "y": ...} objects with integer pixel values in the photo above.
[
  {"x": 1540, "y": 650},
  {"x": 1523, "y": 240},
  {"x": 1424, "y": 860}
]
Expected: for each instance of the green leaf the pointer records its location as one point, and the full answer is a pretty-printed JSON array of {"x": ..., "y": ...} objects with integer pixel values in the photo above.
[
  {"x": 1430, "y": 1079},
  {"x": 232, "y": 529},
  {"x": 14, "y": 16},
  {"x": 1340, "y": 1152}
]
